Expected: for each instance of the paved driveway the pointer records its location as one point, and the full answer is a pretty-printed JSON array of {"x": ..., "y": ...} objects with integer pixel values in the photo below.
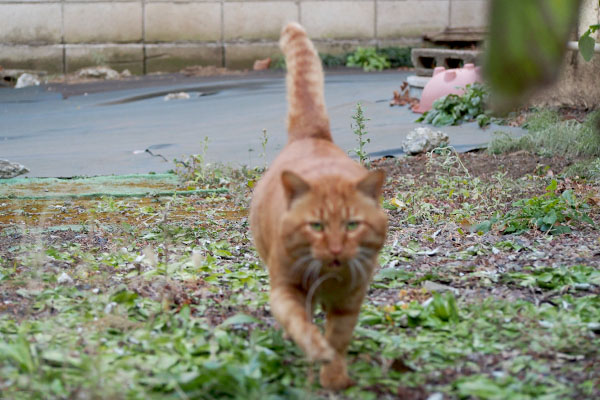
[{"x": 105, "y": 127}]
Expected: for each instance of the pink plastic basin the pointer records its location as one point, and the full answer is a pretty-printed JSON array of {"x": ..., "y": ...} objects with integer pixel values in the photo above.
[{"x": 444, "y": 82}]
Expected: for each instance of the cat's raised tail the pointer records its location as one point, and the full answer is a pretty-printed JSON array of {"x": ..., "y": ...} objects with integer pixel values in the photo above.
[{"x": 307, "y": 116}]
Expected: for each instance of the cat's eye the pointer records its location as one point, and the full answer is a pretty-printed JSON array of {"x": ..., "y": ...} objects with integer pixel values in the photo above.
[
  {"x": 316, "y": 226},
  {"x": 351, "y": 225}
]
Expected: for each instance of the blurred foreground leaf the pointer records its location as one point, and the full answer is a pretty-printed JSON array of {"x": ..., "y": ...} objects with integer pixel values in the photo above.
[
  {"x": 587, "y": 42},
  {"x": 526, "y": 47}
]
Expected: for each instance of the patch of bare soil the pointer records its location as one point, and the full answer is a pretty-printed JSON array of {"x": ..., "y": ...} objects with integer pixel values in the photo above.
[{"x": 479, "y": 164}]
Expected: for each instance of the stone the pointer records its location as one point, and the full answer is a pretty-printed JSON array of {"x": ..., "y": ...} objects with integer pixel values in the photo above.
[
  {"x": 10, "y": 169},
  {"x": 411, "y": 18},
  {"x": 257, "y": 20},
  {"x": 322, "y": 19},
  {"x": 38, "y": 23},
  {"x": 436, "y": 396},
  {"x": 98, "y": 72},
  {"x": 64, "y": 278},
  {"x": 182, "y": 22},
  {"x": 102, "y": 22},
  {"x": 423, "y": 139},
  {"x": 26, "y": 80},
  {"x": 438, "y": 287},
  {"x": 177, "y": 96},
  {"x": 416, "y": 85}
]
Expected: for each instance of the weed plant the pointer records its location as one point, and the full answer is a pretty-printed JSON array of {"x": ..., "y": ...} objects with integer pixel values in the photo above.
[
  {"x": 548, "y": 135},
  {"x": 359, "y": 129},
  {"x": 551, "y": 213},
  {"x": 454, "y": 195},
  {"x": 454, "y": 109},
  {"x": 368, "y": 59},
  {"x": 397, "y": 56},
  {"x": 332, "y": 61}
]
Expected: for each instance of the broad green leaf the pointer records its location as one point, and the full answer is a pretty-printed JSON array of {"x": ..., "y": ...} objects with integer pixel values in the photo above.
[
  {"x": 124, "y": 297},
  {"x": 481, "y": 387},
  {"x": 552, "y": 186},
  {"x": 586, "y": 46},
  {"x": 527, "y": 43}
]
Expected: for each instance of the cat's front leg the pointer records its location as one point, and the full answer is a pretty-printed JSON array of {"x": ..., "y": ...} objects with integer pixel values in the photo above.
[
  {"x": 288, "y": 306},
  {"x": 339, "y": 328}
]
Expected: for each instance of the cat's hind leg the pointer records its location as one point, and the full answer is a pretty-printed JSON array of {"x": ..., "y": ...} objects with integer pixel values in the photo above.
[{"x": 288, "y": 308}]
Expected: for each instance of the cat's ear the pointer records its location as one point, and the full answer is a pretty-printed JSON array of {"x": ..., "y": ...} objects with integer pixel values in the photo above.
[
  {"x": 372, "y": 184},
  {"x": 294, "y": 185}
]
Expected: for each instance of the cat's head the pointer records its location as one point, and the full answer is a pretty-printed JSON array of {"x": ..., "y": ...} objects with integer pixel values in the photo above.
[{"x": 332, "y": 220}]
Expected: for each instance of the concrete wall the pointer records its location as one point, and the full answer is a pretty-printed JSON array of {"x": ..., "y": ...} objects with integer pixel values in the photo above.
[{"x": 165, "y": 35}]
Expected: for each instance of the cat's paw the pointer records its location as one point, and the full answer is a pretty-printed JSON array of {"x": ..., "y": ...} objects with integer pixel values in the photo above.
[
  {"x": 318, "y": 349},
  {"x": 334, "y": 376}
]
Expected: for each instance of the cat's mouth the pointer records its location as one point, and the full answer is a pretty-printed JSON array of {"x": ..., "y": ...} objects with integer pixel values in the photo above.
[{"x": 335, "y": 263}]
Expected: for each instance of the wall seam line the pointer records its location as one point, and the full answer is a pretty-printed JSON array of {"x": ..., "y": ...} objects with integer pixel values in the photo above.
[{"x": 223, "y": 49}]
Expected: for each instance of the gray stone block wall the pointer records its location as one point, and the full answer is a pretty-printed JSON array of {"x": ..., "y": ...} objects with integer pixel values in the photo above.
[{"x": 165, "y": 35}]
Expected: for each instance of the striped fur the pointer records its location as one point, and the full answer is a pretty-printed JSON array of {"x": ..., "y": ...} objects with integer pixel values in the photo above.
[
  {"x": 312, "y": 180},
  {"x": 307, "y": 116}
]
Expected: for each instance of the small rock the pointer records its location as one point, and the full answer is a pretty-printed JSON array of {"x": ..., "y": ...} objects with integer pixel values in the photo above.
[
  {"x": 594, "y": 326},
  {"x": 423, "y": 139},
  {"x": 64, "y": 278},
  {"x": 260, "y": 65},
  {"x": 438, "y": 287},
  {"x": 98, "y": 72},
  {"x": 110, "y": 307},
  {"x": 582, "y": 286},
  {"x": 125, "y": 73},
  {"x": 10, "y": 169},
  {"x": 436, "y": 396},
  {"x": 26, "y": 80},
  {"x": 177, "y": 96}
]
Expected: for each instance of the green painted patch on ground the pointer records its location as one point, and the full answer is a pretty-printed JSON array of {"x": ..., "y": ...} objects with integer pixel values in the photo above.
[{"x": 98, "y": 186}]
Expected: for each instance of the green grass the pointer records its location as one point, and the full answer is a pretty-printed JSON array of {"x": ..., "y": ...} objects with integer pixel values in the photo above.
[
  {"x": 165, "y": 298},
  {"x": 548, "y": 135}
]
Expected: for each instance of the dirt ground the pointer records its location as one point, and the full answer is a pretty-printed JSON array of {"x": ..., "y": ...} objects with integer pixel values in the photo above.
[{"x": 517, "y": 293}]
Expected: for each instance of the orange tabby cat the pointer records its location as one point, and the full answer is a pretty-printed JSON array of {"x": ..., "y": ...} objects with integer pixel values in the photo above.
[{"x": 316, "y": 221}]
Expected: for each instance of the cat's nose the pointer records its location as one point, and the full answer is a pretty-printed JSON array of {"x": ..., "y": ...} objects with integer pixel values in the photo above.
[{"x": 336, "y": 249}]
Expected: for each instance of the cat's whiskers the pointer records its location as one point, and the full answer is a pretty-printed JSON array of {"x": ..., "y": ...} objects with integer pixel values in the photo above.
[
  {"x": 363, "y": 259},
  {"x": 352, "y": 267},
  {"x": 366, "y": 251},
  {"x": 301, "y": 261},
  {"x": 311, "y": 272},
  {"x": 361, "y": 268}
]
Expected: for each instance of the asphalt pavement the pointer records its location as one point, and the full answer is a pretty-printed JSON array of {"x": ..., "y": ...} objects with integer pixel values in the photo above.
[{"x": 104, "y": 128}]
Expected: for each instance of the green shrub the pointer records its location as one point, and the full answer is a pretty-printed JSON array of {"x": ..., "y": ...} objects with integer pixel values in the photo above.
[
  {"x": 454, "y": 109},
  {"x": 278, "y": 62},
  {"x": 397, "y": 56},
  {"x": 368, "y": 59},
  {"x": 330, "y": 60}
]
